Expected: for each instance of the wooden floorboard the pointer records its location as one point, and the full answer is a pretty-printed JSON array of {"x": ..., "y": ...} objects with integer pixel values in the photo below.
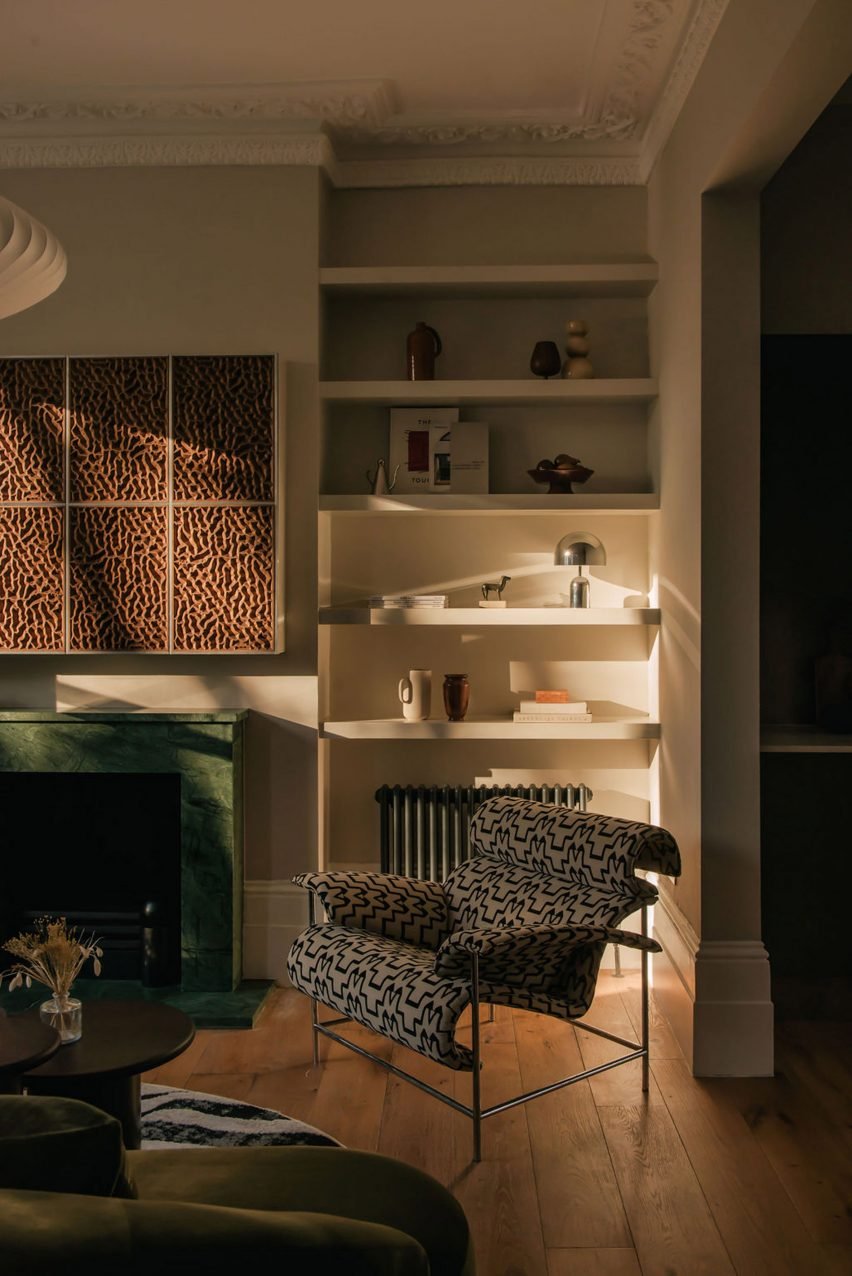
[{"x": 701, "y": 1178}]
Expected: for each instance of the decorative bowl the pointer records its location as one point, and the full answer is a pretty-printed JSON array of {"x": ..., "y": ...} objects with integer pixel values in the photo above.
[{"x": 560, "y": 480}]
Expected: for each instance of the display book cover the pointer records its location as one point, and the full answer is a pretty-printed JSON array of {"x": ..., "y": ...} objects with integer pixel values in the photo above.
[
  {"x": 552, "y": 710},
  {"x": 436, "y": 452}
]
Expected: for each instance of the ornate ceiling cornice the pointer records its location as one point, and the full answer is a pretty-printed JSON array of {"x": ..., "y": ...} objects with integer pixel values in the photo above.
[
  {"x": 355, "y": 131},
  {"x": 693, "y": 48},
  {"x": 487, "y": 171},
  {"x": 337, "y": 103},
  {"x": 312, "y": 150},
  {"x": 619, "y": 119}
]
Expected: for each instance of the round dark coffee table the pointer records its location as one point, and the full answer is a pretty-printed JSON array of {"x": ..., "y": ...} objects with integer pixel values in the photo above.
[
  {"x": 24, "y": 1043},
  {"x": 121, "y": 1040}
]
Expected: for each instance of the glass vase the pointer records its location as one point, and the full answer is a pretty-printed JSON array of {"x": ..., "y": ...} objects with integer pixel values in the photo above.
[{"x": 65, "y": 1015}]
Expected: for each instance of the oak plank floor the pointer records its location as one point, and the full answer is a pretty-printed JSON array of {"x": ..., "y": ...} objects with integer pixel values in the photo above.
[{"x": 701, "y": 1178}]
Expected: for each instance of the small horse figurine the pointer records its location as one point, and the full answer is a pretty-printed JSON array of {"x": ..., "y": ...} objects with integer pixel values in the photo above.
[{"x": 497, "y": 587}]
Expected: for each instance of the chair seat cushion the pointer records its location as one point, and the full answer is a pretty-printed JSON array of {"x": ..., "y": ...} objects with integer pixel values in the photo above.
[{"x": 384, "y": 984}]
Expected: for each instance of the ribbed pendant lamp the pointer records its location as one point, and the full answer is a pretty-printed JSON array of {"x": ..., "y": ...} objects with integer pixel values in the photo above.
[{"x": 32, "y": 260}]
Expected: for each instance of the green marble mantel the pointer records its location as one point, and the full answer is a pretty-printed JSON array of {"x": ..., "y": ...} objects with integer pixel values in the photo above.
[{"x": 206, "y": 750}]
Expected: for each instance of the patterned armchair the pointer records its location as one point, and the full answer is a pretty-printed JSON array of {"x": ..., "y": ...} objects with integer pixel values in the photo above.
[{"x": 522, "y": 923}]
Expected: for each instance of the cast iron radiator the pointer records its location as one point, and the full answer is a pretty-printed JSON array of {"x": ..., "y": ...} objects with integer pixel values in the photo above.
[{"x": 425, "y": 830}]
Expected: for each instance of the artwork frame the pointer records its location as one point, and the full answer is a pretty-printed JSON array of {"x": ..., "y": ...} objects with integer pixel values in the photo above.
[{"x": 111, "y": 453}]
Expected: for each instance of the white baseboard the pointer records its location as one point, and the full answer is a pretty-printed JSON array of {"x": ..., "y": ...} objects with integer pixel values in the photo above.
[
  {"x": 717, "y": 998},
  {"x": 274, "y": 912}
]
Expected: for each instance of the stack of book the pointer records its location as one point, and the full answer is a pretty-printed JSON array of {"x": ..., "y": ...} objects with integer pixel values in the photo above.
[
  {"x": 408, "y": 600},
  {"x": 552, "y": 706}
]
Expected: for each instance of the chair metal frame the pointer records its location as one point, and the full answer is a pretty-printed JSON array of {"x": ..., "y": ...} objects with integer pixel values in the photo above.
[{"x": 474, "y": 1110}]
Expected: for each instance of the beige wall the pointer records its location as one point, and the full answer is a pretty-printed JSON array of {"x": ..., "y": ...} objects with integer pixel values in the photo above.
[
  {"x": 486, "y": 225},
  {"x": 203, "y": 260},
  {"x": 754, "y": 96}
]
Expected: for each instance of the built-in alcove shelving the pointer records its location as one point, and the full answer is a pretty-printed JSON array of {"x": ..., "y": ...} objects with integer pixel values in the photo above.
[{"x": 489, "y": 318}]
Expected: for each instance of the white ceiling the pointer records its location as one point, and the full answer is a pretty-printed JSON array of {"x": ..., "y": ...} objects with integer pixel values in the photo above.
[{"x": 435, "y": 86}]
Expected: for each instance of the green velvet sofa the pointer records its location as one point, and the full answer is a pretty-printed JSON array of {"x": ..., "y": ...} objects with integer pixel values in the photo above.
[{"x": 72, "y": 1200}]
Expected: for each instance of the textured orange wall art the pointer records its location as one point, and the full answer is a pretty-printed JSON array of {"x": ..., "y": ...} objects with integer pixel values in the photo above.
[
  {"x": 223, "y": 558},
  {"x": 118, "y": 429},
  {"x": 32, "y": 410},
  {"x": 161, "y": 535},
  {"x": 224, "y": 412},
  {"x": 32, "y": 578},
  {"x": 118, "y": 573}
]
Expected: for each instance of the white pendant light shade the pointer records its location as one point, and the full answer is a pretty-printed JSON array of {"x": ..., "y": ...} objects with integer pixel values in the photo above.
[{"x": 32, "y": 260}]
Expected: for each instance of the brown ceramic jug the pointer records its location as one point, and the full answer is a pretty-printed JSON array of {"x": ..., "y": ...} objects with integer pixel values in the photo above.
[
  {"x": 422, "y": 347},
  {"x": 456, "y": 696}
]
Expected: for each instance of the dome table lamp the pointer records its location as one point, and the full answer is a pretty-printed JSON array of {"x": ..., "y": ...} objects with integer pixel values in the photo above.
[{"x": 579, "y": 549}]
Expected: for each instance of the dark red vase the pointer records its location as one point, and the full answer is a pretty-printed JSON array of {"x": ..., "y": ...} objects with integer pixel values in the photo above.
[
  {"x": 422, "y": 347},
  {"x": 456, "y": 696}
]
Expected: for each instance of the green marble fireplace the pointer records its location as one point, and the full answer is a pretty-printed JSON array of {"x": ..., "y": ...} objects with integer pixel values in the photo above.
[{"x": 206, "y": 751}]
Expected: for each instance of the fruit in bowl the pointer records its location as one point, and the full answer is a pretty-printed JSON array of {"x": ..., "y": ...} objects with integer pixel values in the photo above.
[{"x": 560, "y": 473}]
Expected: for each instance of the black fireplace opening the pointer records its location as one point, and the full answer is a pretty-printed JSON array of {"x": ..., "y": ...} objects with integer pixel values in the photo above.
[{"x": 104, "y": 851}]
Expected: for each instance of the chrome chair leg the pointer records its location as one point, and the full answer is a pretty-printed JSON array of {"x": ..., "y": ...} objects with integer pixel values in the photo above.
[
  {"x": 314, "y": 1034},
  {"x": 645, "y": 1015},
  {"x": 477, "y": 1061},
  {"x": 314, "y": 1007}
]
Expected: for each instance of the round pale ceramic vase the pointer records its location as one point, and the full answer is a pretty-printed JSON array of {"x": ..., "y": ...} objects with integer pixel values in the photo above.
[
  {"x": 456, "y": 696},
  {"x": 577, "y": 366},
  {"x": 65, "y": 1015},
  {"x": 415, "y": 692}
]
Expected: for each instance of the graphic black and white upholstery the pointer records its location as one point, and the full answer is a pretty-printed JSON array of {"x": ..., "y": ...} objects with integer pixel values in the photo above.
[{"x": 544, "y": 893}]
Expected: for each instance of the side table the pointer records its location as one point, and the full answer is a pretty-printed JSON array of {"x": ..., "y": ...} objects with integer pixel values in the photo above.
[
  {"x": 24, "y": 1044},
  {"x": 120, "y": 1041}
]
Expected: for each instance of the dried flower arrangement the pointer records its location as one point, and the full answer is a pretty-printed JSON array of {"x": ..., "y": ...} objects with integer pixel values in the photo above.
[{"x": 53, "y": 954}]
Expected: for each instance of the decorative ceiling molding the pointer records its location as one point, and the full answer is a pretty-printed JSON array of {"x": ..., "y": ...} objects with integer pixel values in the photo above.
[
  {"x": 337, "y": 103},
  {"x": 355, "y": 130},
  {"x": 620, "y": 119},
  {"x": 488, "y": 171},
  {"x": 311, "y": 150},
  {"x": 693, "y": 49}
]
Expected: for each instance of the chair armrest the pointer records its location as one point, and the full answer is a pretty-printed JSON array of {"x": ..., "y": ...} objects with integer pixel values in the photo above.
[
  {"x": 386, "y": 904},
  {"x": 507, "y": 949}
]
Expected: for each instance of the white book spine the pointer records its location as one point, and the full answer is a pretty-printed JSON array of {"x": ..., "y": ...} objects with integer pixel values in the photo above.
[{"x": 552, "y": 717}]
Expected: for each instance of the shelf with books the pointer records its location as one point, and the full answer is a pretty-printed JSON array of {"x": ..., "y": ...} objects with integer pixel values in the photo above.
[
  {"x": 639, "y": 728},
  {"x": 489, "y": 320}
]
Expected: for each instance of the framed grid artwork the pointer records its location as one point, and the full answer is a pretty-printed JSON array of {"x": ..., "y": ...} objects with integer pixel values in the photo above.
[{"x": 139, "y": 505}]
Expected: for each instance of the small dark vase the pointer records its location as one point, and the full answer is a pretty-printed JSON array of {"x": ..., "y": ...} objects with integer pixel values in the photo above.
[
  {"x": 422, "y": 347},
  {"x": 545, "y": 360},
  {"x": 456, "y": 696}
]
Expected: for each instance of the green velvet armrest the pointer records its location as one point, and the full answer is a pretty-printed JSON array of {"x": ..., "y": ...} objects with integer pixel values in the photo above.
[{"x": 44, "y": 1231}]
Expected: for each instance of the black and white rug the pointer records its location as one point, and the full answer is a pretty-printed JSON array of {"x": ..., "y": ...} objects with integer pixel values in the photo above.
[{"x": 187, "y": 1118}]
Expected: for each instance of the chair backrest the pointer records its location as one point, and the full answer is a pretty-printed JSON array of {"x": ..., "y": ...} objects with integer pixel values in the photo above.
[{"x": 534, "y": 862}]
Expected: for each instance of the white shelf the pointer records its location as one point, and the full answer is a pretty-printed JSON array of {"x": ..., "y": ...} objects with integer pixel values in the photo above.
[
  {"x": 619, "y": 279},
  {"x": 494, "y": 503},
  {"x": 803, "y": 738},
  {"x": 491, "y": 729},
  {"x": 469, "y": 616},
  {"x": 431, "y": 393}
]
